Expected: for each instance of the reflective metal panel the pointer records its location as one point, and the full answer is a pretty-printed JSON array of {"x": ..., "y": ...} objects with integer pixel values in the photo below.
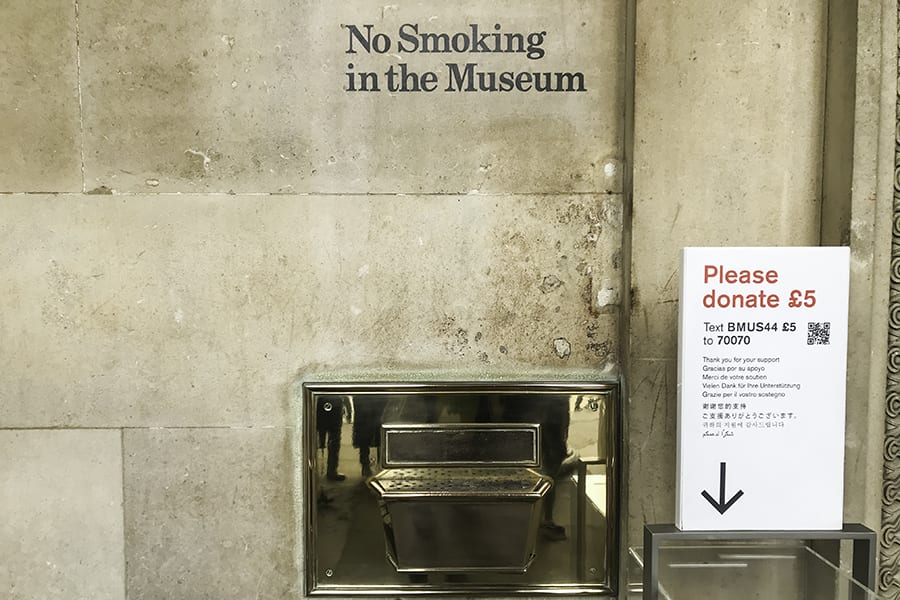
[
  {"x": 461, "y": 444},
  {"x": 460, "y": 488},
  {"x": 475, "y": 509}
]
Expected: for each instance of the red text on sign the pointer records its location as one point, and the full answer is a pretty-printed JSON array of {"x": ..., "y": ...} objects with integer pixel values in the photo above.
[{"x": 720, "y": 274}]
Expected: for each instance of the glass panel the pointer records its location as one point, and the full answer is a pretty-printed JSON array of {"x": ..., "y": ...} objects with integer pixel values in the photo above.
[
  {"x": 744, "y": 571},
  {"x": 482, "y": 524}
]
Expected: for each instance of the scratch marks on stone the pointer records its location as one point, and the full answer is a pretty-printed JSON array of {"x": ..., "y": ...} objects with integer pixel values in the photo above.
[
  {"x": 675, "y": 218},
  {"x": 668, "y": 284},
  {"x": 550, "y": 283},
  {"x": 661, "y": 383},
  {"x": 80, "y": 98}
]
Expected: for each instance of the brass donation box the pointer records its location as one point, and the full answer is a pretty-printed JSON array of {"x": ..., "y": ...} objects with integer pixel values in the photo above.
[
  {"x": 461, "y": 497},
  {"x": 472, "y": 488}
]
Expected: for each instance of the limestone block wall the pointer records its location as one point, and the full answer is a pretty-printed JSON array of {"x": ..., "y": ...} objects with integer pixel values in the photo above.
[
  {"x": 730, "y": 156},
  {"x": 195, "y": 214},
  {"x": 733, "y": 156}
]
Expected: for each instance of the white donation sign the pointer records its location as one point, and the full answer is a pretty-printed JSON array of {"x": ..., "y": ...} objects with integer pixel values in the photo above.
[{"x": 761, "y": 385}]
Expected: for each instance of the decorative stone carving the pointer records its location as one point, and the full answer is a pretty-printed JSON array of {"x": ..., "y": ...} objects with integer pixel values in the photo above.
[{"x": 889, "y": 563}]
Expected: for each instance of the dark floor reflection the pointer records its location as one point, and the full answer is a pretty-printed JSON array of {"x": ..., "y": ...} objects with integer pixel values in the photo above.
[{"x": 351, "y": 543}]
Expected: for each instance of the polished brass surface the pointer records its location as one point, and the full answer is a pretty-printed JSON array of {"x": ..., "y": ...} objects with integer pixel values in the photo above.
[
  {"x": 442, "y": 535},
  {"x": 455, "y": 481},
  {"x": 461, "y": 444},
  {"x": 487, "y": 488},
  {"x": 474, "y": 510}
]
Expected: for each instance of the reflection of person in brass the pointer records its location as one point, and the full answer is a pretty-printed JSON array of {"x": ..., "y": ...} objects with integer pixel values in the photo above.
[
  {"x": 553, "y": 416},
  {"x": 328, "y": 426},
  {"x": 367, "y": 419}
]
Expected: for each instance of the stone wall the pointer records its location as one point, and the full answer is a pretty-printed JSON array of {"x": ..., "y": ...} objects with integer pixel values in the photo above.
[{"x": 195, "y": 215}]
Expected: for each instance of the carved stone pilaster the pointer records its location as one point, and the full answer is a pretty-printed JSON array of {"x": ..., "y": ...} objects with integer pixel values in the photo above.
[{"x": 889, "y": 554}]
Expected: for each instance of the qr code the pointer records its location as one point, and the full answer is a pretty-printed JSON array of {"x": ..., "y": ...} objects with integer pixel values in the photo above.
[{"x": 818, "y": 333}]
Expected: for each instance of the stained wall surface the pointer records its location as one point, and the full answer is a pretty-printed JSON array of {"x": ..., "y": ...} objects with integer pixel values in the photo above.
[
  {"x": 230, "y": 218},
  {"x": 195, "y": 214},
  {"x": 730, "y": 157}
]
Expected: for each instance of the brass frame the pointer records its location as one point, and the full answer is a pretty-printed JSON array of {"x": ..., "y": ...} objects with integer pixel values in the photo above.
[{"x": 609, "y": 389}]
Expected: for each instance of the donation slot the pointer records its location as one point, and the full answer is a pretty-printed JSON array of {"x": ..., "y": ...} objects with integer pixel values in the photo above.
[{"x": 460, "y": 487}]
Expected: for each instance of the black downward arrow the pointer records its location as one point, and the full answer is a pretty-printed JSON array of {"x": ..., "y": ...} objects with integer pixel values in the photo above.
[{"x": 721, "y": 505}]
